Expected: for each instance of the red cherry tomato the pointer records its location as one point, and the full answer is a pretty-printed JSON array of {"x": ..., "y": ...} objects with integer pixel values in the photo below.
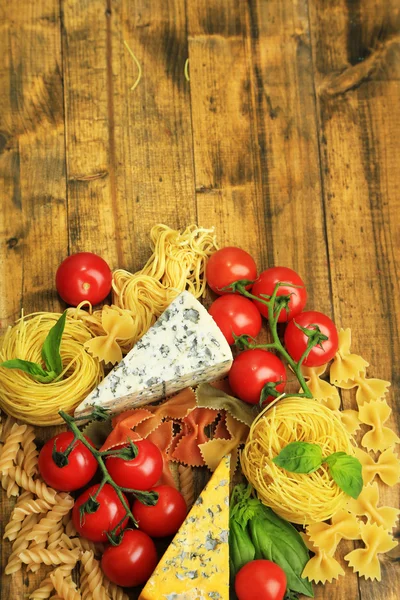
[
  {"x": 165, "y": 517},
  {"x": 107, "y": 516},
  {"x": 296, "y": 340},
  {"x": 131, "y": 562},
  {"x": 265, "y": 284},
  {"x": 228, "y": 265},
  {"x": 83, "y": 276},
  {"x": 235, "y": 314},
  {"x": 251, "y": 370},
  {"x": 260, "y": 580},
  {"x": 140, "y": 473},
  {"x": 79, "y": 470}
]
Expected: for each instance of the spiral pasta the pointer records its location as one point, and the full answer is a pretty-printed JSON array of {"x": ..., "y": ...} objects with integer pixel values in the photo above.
[
  {"x": 114, "y": 590},
  {"x": 11, "y": 446},
  {"x": 38, "y": 403},
  {"x": 36, "y": 486},
  {"x": 297, "y": 497},
  {"x": 30, "y": 459},
  {"x": 41, "y": 531},
  {"x": 95, "y": 576},
  {"x": 46, "y": 587},
  {"x": 50, "y": 557},
  {"x": 20, "y": 544},
  {"x": 64, "y": 588},
  {"x": 186, "y": 484},
  {"x": 82, "y": 543}
]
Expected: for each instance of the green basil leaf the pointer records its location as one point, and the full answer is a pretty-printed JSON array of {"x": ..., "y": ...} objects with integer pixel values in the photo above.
[
  {"x": 277, "y": 540},
  {"x": 241, "y": 548},
  {"x": 299, "y": 457},
  {"x": 32, "y": 368},
  {"x": 51, "y": 347},
  {"x": 346, "y": 471}
]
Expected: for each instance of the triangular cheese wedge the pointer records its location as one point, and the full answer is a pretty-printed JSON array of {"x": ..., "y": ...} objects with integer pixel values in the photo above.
[
  {"x": 183, "y": 348},
  {"x": 196, "y": 563}
]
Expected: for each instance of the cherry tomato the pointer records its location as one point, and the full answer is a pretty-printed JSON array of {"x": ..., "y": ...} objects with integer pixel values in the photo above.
[
  {"x": 228, "y": 265},
  {"x": 78, "y": 471},
  {"x": 107, "y": 516},
  {"x": 165, "y": 517},
  {"x": 131, "y": 562},
  {"x": 265, "y": 284},
  {"x": 235, "y": 314},
  {"x": 260, "y": 580},
  {"x": 83, "y": 276},
  {"x": 296, "y": 340},
  {"x": 251, "y": 370},
  {"x": 140, "y": 473}
]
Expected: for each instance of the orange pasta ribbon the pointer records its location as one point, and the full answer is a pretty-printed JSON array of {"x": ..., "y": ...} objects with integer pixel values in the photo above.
[
  {"x": 185, "y": 447},
  {"x": 123, "y": 426}
]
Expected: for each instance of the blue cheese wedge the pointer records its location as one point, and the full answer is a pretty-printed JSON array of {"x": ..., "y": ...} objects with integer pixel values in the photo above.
[
  {"x": 183, "y": 348},
  {"x": 196, "y": 563}
]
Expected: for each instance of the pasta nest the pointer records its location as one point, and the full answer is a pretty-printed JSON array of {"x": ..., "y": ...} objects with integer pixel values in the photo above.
[
  {"x": 299, "y": 498},
  {"x": 38, "y": 403}
]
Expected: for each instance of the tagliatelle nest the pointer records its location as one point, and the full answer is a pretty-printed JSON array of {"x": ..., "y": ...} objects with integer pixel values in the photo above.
[{"x": 299, "y": 498}]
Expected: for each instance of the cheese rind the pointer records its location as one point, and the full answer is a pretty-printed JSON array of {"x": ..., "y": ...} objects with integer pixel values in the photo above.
[
  {"x": 184, "y": 347},
  {"x": 196, "y": 563}
]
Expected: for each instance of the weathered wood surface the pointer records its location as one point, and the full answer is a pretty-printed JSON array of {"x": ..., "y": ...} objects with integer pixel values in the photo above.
[{"x": 285, "y": 139}]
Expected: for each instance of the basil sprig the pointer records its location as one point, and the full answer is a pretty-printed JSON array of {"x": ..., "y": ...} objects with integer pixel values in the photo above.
[
  {"x": 50, "y": 354},
  {"x": 303, "y": 457},
  {"x": 255, "y": 532}
]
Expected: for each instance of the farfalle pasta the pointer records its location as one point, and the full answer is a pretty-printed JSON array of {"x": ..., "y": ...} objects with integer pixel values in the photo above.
[
  {"x": 364, "y": 561},
  {"x": 322, "y": 567},
  {"x": 186, "y": 445},
  {"x": 228, "y": 436},
  {"x": 117, "y": 325},
  {"x": 321, "y": 390},
  {"x": 367, "y": 505},
  {"x": 387, "y": 466},
  {"x": 346, "y": 366},
  {"x": 327, "y": 537},
  {"x": 375, "y": 414}
]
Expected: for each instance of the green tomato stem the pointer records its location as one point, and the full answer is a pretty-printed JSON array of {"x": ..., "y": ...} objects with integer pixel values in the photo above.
[
  {"x": 98, "y": 456},
  {"x": 277, "y": 344}
]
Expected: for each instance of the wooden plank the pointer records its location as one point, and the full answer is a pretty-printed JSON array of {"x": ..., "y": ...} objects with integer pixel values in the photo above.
[
  {"x": 152, "y": 123},
  {"x": 33, "y": 228},
  {"x": 356, "y": 56},
  {"x": 92, "y": 209}
]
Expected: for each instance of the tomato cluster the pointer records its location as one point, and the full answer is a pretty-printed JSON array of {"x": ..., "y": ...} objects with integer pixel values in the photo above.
[
  {"x": 67, "y": 464},
  {"x": 254, "y": 370}
]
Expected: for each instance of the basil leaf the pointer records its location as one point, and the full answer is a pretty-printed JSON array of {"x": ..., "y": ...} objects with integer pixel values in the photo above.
[
  {"x": 299, "y": 457},
  {"x": 277, "y": 540},
  {"x": 241, "y": 548},
  {"x": 346, "y": 471},
  {"x": 32, "y": 368},
  {"x": 51, "y": 347}
]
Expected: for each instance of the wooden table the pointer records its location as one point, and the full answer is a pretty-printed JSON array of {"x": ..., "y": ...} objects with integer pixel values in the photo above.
[{"x": 286, "y": 139}]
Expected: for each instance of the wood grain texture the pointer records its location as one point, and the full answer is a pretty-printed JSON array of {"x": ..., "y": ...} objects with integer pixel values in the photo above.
[{"x": 285, "y": 139}]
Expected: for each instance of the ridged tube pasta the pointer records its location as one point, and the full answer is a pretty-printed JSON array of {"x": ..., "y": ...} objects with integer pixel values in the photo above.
[
  {"x": 186, "y": 484},
  {"x": 299, "y": 498},
  {"x": 81, "y": 372},
  {"x": 10, "y": 449},
  {"x": 95, "y": 576},
  {"x": 63, "y": 587},
  {"x": 41, "y": 531},
  {"x": 37, "y": 487},
  {"x": 50, "y": 557}
]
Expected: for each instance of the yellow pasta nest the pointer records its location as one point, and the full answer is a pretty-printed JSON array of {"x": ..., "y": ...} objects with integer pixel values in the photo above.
[
  {"x": 38, "y": 403},
  {"x": 297, "y": 497}
]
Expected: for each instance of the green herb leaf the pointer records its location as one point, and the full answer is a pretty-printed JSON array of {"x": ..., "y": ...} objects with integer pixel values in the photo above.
[
  {"x": 299, "y": 457},
  {"x": 32, "y": 368},
  {"x": 346, "y": 471},
  {"x": 51, "y": 347},
  {"x": 277, "y": 540},
  {"x": 241, "y": 548}
]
